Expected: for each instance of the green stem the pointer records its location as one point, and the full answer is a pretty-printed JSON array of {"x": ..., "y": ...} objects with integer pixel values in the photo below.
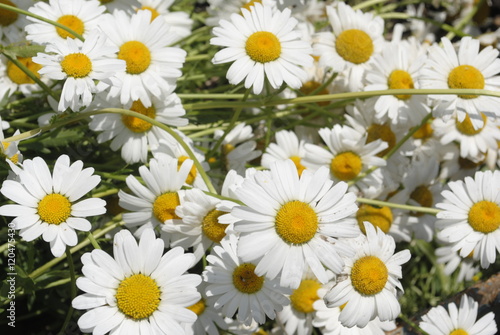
[
  {"x": 71, "y": 266},
  {"x": 93, "y": 241},
  {"x": 412, "y": 324},
  {"x": 198, "y": 57},
  {"x": 203, "y": 96},
  {"x": 368, "y": 3},
  {"x": 379, "y": 203},
  {"x": 460, "y": 25}
]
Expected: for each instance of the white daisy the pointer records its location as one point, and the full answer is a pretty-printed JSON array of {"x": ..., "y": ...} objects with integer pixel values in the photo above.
[
  {"x": 138, "y": 290},
  {"x": 209, "y": 321},
  {"x": 47, "y": 203},
  {"x": 10, "y": 150},
  {"x": 287, "y": 146},
  {"x": 461, "y": 320},
  {"x": 470, "y": 216},
  {"x": 384, "y": 218},
  {"x": 286, "y": 222},
  {"x": 371, "y": 281},
  {"x": 262, "y": 44},
  {"x": 13, "y": 79},
  {"x": 11, "y": 23}
]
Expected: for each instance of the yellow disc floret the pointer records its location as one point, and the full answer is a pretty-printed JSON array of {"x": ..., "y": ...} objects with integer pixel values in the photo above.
[
  {"x": 384, "y": 133},
  {"x": 346, "y": 165},
  {"x": 369, "y": 275},
  {"x": 136, "y": 56},
  {"x": 466, "y": 76},
  {"x": 354, "y": 46},
  {"x": 54, "y": 208},
  {"x": 400, "y": 80},
  {"x": 198, "y": 308},
  {"x": 73, "y": 23},
  {"x": 245, "y": 280},
  {"x": 263, "y": 47},
  {"x": 424, "y": 132},
  {"x": 135, "y": 124},
  {"x": 154, "y": 12},
  {"x": 467, "y": 128},
  {"x": 7, "y": 17},
  {"x": 192, "y": 173},
  {"x": 76, "y": 65},
  {"x": 164, "y": 206},
  {"x": 17, "y": 75},
  {"x": 484, "y": 216},
  {"x": 138, "y": 296},
  {"x": 303, "y": 298},
  {"x": 459, "y": 331},
  {"x": 296, "y": 222},
  {"x": 380, "y": 217},
  {"x": 211, "y": 227},
  {"x": 300, "y": 168}
]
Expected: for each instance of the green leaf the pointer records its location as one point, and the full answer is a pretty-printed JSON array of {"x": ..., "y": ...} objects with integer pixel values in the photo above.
[{"x": 23, "y": 50}]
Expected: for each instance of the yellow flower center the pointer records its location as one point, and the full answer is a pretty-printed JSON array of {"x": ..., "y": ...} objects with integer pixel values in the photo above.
[
  {"x": 7, "y": 17},
  {"x": 211, "y": 227},
  {"x": 154, "y": 12},
  {"x": 17, "y": 75},
  {"x": 384, "y": 133},
  {"x": 245, "y": 280},
  {"x": 369, "y": 275},
  {"x": 73, "y": 23},
  {"x": 136, "y": 56},
  {"x": 300, "y": 168},
  {"x": 198, "y": 308},
  {"x": 354, "y": 46},
  {"x": 380, "y": 217},
  {"x": 424, "y": 132},
  {"x": 346, "y": 165},
  {"x": 135, "y": 124},
  {"x": 164, "y": 206},
  {"x": 296, "y": 222},
  {"x": 76, "y": 65},
  {"x": 399, "y": 79},
  {"x": 54, "y": 208},
  {"x": 138, "y": 296},
  {"x": 484, "y": 216},
  {"x": 250, "y": 4},
  {"x": 305, "y": 295},
  {"x": 467, "y": 128},
  {"x": 423, "y": 196},
  {"x": 459, "y": 331},
  {"x": 192, "y": 173},
  {"x": 263, "y": 47},
  {"x": 466, "y": 76},
  {"x": 312, "y": 85}
]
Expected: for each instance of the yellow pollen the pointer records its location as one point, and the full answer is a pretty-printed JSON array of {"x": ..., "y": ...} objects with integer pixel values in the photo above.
[
  {"x": 14, "y": 158},
  {"x": 424, "y": 132},
  {"x": 198, "y": 308},
  {"x": 380, "y": 217},
  {"x": 354, "y": 46},
  {"x": 7, "y": 17},
  {"x": 300, "y": 168},
  {"x": 76, "y": 65},
  {"x": 423, "y": 196},
  {"x": 263, "y": 47},
  {"x": 309, "y": 87},
  {"x": 164, "y": 206},
  {"x": 484, "y": 216},
  {"x": 346, "y": 165},
  {"x": 467, "y": 128},
  {"x": 399, "y": 79},
  {"x": 296, "y": 222},
  {"x": 136, "y": 56},
  {"x": 154, "y": 12},
  {"x": 343, "y": 306},
  {"x": 384, "y": 133},
  {"x": 54, "y": 208},
  {"x": 459, "y": 331},
  {"x": 192, "y": 173},
  {"x": 17, "y": 75},
  {"x": 138, "y": 296},
  {"x": 211, "y": 227},
  {"x": 305, "y": 295},
  {"x": 369, "y": 275},
  {"x": 250, "y": 4},
  {"x": 245, "y": 280},
  {"x": 135, "y": 124},
  {"x": 73, "y": 23},
  {"x": 466, "y": 76}
]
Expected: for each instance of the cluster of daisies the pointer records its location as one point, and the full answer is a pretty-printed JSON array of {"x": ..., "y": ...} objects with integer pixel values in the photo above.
[{"x": 292, "y": 224}]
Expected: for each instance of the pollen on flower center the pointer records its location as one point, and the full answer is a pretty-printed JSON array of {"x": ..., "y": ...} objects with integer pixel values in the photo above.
[
  {"x": 73, "y": 23},
  {"x": 198, "y": 308},
  {"x": 380, "y": 217},
  {"x": 17, "y": 75},
  {"x": 459, "y": 331},
  {"x": 384, "y": 133},
  {"x": 211, "y": 227},
  {"x": 245, "y": 280},
  {"x": 296, "y": 222},
  {"x": 54, "y": 208},
  {"x": 354, "y": 46},
  {"x": 424, "y": 132},
  {"x": 346, "y": 165},
  {"x": 399, "y": 79},
  {"x": 423, "y": 196},
  {"x": 164, "y": 206},
  {"x": 154, "y": 12},
  {"x": 192, "y": 173},
  {"x": 76, "y": 65},
  {"x": 369, "y": 275},
  {"x": 303, "y": 298},
  {"x": 467, "y": 128},
  {"x": 135, "y": 124},
  {"x": 466, "y": 76},
  {"x": 263, "y": 47},
  {"x": 300, "y": 168},
  {"x": 136, "y": 56},
  {"x": 7, "y": 17},
  {"x": 484, "y": 216},
  {"x": 138, "y": 296}
]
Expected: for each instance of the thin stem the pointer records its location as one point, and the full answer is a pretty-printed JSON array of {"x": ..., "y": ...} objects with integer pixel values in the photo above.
[
  {"x": 368, "y": 3},
  {"x": 72, "y": 275},
  {"x": 426, "y": 210},
  {"x": 93, "y": 241},
  {"x": 412, "y": 324}
]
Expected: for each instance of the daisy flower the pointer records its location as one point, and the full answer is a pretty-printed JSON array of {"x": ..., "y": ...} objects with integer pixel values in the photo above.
[
  {"x": 233, "y": 285},
  {"x": 287, "y": 146},
  {"x": 10, "y": 150},
  {"x": 81, "y": 16},
  {"x": 208, "y": 321},
  {"x": 262, "y": 44},
  {"x": 369, "y": 289},
  {"x": 138, "y": 289},
  {"x": 467, "y": 68},
  {"x": 470, "y": 216},
  {"x": 11, "y": 23},
  {"x": 289, "y": 224},
  {"x": 461, "y": 320},
  {"x": 385, "y": 219},
  {"x": 13, "y": 79},
  {"x": 46, "y": 204}
]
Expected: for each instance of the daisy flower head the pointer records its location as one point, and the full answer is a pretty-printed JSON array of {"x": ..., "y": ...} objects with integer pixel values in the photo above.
[
  {"x": 458, "y": 320},
  {"x": 13, "y": 79},
  {"x": 466, "y": 68},
  {"x": 262, "y": 44},
  {"x": 138, "y": 289},
  {"x": 11, "y": 23},
  {"x": 470, "y": 216},
  {"x": 81, "y": 16},
  {"x": 372, "y": 279},
  {"x": 48, "y": 204},
  {"x": 295, "y": 222}
]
